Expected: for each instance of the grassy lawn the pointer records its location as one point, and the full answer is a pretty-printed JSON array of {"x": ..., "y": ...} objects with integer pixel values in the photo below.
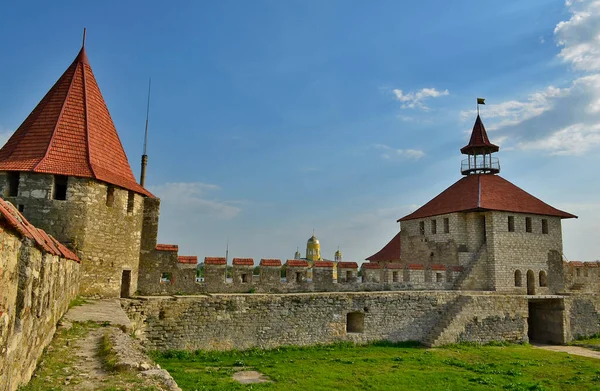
[
  {"x": 384, "y": 366},
  {"x": 592, "y": 342}
]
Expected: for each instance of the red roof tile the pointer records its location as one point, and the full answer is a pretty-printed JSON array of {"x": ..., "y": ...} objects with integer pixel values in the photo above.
[
  {"x": 479, "y": 142},
  {"x": 270, "y": 262},
  {"x": 10, "y": 216},
  {"x": 70, "y": 132},
  {"x": 576, "y": 263},
  {"x": 390, "y": 252},
  {"x": 367, "y": 265},
  {"x": 215, "y": 261},
  {"x": 296, "y": 263},
  {"x": 323, "y": 264},
  {"x": 394, "y": 265},
  {"x": 347, "y": 265},
  {"x": 191, "y": 259},
  {"x": 243, "y": 261},
  {"x": 456, "y": 268},
  {"x": 416, "y": 266},
  {"x": 590, "y": 264},
  {"x": 167, "y": 247},
  {"x": 437, "y": 266},
  {"x": 485, "y": 192}
]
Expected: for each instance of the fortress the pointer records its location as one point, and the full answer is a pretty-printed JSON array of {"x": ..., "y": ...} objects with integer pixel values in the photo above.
[{"x": 480, "y": 262}]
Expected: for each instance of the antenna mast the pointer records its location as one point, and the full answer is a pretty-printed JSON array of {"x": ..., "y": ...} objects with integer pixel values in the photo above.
[{"x": 145, "y": 156}]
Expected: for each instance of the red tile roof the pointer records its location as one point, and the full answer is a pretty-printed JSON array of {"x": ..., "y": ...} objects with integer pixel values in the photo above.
[
  {"x": 327, "y": 264},
  {"x": 479, "y": 142},
  {"x": 576, "y": 263},
  {"x": 456, "y": 268},
  {"x": 11, "y": 217},
  {"x": 70, "y": 132},
  {"x": 437, "y": 266},
  {"x": 270, "y": 262},
  {"x": 485, "y": 192},
  {"x": 191, "y": 259},
  {"x": 394, "y": 265},
  {"x": 591, "y": 264},
  {"x": 389, "y": 252},
  {"x": 347, "y": 265},
  {"x": 167, "y": 247},
  {"x": 296, "y": 263},
  {"x": 215, "y": 261},
  {"x": 370, "y": 265},
  {"x": 416, "y": 266},
  {"x": 243, "y": 261}
]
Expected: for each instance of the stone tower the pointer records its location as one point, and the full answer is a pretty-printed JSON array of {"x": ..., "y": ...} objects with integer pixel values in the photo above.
[
  {"x": 67, "y": 172},
  {"x": 500, "y": 236}
]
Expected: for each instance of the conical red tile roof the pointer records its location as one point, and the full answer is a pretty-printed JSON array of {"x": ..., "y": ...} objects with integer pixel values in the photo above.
[
  {"x": 485, "y": 192},
  {"x": 479, "y": 141},
  {"x": 70, "y": 132}
]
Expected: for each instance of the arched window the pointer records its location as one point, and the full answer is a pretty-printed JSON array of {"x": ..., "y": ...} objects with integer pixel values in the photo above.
[
  {"x": 543, "y": 278},
  {"x": 518, "y": 278}
]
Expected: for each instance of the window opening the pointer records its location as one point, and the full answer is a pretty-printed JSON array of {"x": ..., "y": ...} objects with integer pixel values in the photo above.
[
  {"x": 110, "y": 195},
  {"x": 355, "y": 322},
  {"x": 59, "y": 190},
  {"x": 422, "y": 227},
  {"x": 244, "y": 278},
  {"x": 511, "y": 223},
  {"x": 544, "y": 226},
  {"x": 518, "y": 278},
  {"x": 348, "y": 275},
  {"x": 439, "y": 277},
  {"x": 543, "y": 278},
  {"x": 394, "y": 276},
  {"x": 12, "y": 179},
  {"x": 165, "y": 277},
  {"x": 130, "y": 202},
  {"x": 446, "y": 225},
  {"x": 527, "y": 224},
  {"x": 298, "y": 277},
  {"x": 21, "y": 208},
  {"x": 433, "y": 226}
]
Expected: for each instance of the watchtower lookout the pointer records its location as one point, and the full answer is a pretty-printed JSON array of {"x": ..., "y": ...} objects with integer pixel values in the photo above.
[{"x": 479, "y": 152}]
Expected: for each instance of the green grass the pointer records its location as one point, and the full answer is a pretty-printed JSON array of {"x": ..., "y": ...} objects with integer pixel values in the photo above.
[
  {"x": 592, "y": 342},
  {"x": 77, "y": 301},
  {"x": 385, "y": 366}
]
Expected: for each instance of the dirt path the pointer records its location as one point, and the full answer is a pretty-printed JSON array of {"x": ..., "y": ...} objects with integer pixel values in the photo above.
[
  {"x": 576, "y": 350},
  {"x": 88, "y": 369}
]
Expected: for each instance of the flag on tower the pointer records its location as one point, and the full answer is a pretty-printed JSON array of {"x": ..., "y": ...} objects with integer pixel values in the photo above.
[{"x": 480, "y": 101}]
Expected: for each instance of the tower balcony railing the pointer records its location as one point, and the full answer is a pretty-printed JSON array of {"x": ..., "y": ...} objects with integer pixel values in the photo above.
[{"x": 480, "y": 164}]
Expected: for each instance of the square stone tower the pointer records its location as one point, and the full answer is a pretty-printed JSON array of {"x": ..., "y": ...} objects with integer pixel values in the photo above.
[{"x": 65, "y": 169}]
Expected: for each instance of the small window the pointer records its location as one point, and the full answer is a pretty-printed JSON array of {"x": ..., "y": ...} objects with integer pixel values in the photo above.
[
  {"x": 446, "y": 225},
  {"x": 244, "y": 278},
  {"x": 585, "y": 272},
  {"x": 298, "y": 277},
  {"x": 439, "y": 277},
  {"x": 348, "y": 275},
  {"x": 406, "y": 275},
  {"x": 355, "y": 322},
  {"x": 527, "y": 224},
  {"x": 130, "y": 202},
  {"x": 59, "y": 190},
  {"x": 543, "y": 279},
  {"x": 394, "y": 276},
  {"x": 165, "y": 277},
  {"x": 544, "y": 226},
  {"x": 21, "y": 208},
  {"x": 578, "y": 272},
  {"x": 433, "y": 226},
  {"x": 110, "y": 195},
  {"x": 12, "y": 179},
  {"x": 422, "y": 227},
  {"x": 511, "y": 223},
  {"x": 518, "y": 278}
]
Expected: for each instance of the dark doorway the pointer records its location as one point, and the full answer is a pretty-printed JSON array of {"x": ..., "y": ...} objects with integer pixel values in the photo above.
[
  {"x": 125, "y": 283},
  {"x": 530, "y": 282},
  {"x": 545, "y": 321}
]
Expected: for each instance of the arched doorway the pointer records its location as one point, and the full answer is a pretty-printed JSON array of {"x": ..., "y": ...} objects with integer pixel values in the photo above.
[{"x": 530, "y": 282}]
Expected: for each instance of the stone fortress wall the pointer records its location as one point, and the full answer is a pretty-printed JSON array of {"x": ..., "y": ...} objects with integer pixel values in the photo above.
[
  {"x": 38, "y": 279},
  {"x": 101, "y": 222}
]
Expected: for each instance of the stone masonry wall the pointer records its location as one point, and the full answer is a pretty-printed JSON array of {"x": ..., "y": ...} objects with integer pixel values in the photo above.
[
  {"x": 36, "y": 288},
  {"x": 106, "y": 238},
  {"x": 241, "y": 321}
]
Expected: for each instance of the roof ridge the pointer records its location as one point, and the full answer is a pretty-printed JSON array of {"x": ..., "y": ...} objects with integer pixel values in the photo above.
[{"x": 62, "y": 110}]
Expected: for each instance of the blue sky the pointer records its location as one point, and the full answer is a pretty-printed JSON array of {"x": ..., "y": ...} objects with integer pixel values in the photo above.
[{"x": 273, "y": 118}]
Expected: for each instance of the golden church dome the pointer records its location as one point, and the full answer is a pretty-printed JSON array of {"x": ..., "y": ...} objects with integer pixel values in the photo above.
[{"x": 313, "y": 240}]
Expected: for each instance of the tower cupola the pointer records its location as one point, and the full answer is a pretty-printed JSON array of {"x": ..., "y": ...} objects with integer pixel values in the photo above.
[
  {"x": 479, "y": 152},
  {"x": 313, "y": 249}
]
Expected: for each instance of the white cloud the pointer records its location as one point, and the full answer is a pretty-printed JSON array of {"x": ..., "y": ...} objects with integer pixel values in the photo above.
[
  {"x": 579, "y": 36},
  {"x": 193, "y": 198},
  {"x": 388, "y": 152},
  {"x": 573, "y": 140},
  {"x": 413, "y": 100}
]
